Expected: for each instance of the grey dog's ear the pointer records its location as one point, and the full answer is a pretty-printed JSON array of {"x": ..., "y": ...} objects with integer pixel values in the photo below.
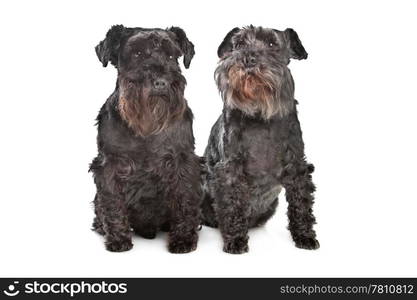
[
  {"x": 185, "y": 45},
  {"x": 108, "y": 49},
  {"x": 295, "y": 46},
  {"x": 227, "y": 46}
]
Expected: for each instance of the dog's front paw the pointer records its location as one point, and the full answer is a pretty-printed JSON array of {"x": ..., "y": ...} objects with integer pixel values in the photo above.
[
  {"x": 119, "y": 245},
  {"x": 182, "y": 245},
  {"x": 309, "y": 243},
  {"x": 236, "y": 246}
]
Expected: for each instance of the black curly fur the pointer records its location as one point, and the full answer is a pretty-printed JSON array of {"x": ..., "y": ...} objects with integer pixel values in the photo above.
[
  {"x": 146, "y": 172},
  {"x": 254, "y": 150}
]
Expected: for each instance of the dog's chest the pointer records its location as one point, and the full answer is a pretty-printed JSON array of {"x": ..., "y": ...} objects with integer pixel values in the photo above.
[
  {"x": 261, "y": 151},
  {"x": 261, "y": 148}
]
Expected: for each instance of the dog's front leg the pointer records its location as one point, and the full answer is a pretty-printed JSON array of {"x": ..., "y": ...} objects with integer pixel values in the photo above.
[
  {"x": 113, "y": 214},
  {"x": 299, "y": 190},
  {"x": 231, "y": 206},
  {"x": 184, "y": 195}
]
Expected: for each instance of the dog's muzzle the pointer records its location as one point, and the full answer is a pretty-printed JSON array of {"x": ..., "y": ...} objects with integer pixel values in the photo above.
[
  {"x": 160, "y": 84},
  {"x": 249, "y": 61}
]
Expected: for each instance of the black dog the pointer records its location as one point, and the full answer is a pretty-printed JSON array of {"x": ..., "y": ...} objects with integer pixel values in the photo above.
[
  {"x": 256, "y": 145},
  {"x": 146, "y": 172}
]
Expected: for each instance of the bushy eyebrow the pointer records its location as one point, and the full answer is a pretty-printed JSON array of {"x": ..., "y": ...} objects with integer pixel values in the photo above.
[
  {"x": 166, "y": 46},
  {"x": 260, "y": 36},
  {"x": 267, "y": 36},
  {"x": 170, "y": 48}
]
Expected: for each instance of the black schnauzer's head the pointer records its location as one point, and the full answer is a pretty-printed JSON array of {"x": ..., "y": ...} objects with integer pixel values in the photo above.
[
  {"x": 253, "y": 73},
  {"x": 151, "y": 85}
]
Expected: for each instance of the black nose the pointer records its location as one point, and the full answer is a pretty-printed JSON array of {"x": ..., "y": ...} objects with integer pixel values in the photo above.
[
  {"x": 249, "y": 60},
  {"x": 160, "y": 84}
]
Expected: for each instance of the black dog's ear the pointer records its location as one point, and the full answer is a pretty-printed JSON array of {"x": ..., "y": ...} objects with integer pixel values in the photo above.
[
  {"x": 108, "y": 49},
  {"x": 226, "y": 45},
  {"x": 186, "y": 46},
  {"x": 296, "y": 49}
]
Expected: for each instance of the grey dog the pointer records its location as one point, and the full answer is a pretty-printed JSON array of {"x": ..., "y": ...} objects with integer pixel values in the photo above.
[{"x": 256, "y": 147}]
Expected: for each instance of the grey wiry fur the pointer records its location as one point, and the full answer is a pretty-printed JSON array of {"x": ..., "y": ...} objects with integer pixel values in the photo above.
[{"x": 256, "y": 145}]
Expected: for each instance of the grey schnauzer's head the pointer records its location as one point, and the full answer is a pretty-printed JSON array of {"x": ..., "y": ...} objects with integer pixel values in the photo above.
[
  {"x": 253, "y": 73},
  {"x": 151, "y": 86}
]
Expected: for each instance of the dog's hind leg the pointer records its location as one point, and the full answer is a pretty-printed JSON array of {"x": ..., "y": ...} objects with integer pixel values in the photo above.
[
  {"x": 208, "y": 214},
  {"x": 142, "y": 225},
  {"x": 143, "y": 217},
  {"x": 261, "y": 220},
  {"x": 97, "y": 223}
]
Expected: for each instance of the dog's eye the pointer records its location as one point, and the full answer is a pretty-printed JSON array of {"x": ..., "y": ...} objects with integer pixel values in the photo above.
[
  {"x": 171, "y": 57},
  {"x": 137, "y": 54},
  {"x": 271, "y": 44}
]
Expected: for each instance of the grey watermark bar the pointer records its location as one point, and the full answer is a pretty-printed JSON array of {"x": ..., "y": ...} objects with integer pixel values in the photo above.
[{"x": 204, "y": 288}]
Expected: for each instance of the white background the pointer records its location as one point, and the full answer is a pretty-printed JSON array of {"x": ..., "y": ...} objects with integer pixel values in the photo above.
[{"x": 357, "y": 94}]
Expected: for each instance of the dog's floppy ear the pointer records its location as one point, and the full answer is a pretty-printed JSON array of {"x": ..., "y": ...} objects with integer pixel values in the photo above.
[
  {"x": 295, "y": 47},
  {"x": 186, "y": 46},
  {"x": 108, "y": 49},
  {"x": 226, "y": 45}
]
